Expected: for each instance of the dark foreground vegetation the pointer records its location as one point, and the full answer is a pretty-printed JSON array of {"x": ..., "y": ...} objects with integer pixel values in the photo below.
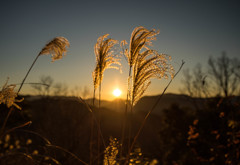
[{"x": 178, "y": 134}]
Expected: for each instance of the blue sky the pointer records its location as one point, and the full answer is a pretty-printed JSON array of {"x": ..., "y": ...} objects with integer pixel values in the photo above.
[{"x": 189, "y": 31}]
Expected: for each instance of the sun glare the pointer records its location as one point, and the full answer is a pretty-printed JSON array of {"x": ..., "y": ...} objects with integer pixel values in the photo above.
[{"x": 117, "y": 92}]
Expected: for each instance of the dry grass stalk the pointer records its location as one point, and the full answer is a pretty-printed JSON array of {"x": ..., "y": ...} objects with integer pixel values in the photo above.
[
  {"x": 141, "y": 39},
  {"x": 105, "y": 58},
  {"x": 148, "y": 114},
  {"x": 147, "y": 64},
  {"x": 68, "y": 152},
  {"x": 57, "y": 47}
]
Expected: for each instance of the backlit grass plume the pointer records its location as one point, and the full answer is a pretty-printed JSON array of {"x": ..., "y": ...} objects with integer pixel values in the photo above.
[
  {"x": 8, "y": 96},
  {"x": 56, "y": 47},
  {"x": 105, "y": 58},
  {"x": 149, "y": 65},
  {"x": 145, "y": 62},
  {"x": 141, "y": 38}
]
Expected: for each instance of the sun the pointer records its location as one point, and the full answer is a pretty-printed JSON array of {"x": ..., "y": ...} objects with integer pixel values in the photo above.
[{"x": 117, "y": 92}]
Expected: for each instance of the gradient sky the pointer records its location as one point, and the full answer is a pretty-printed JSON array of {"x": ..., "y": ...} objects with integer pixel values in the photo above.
[{"x": 189, "y": 31}]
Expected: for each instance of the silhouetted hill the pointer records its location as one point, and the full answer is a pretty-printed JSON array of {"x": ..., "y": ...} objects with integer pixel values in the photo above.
[
  {"x": 147, "y": 102},
  {"x": 167, "y": 100},
  {"x": 117, "y": 105},
  {"x": 66, "y": 122},
  {"x": 144, "y": 104}
]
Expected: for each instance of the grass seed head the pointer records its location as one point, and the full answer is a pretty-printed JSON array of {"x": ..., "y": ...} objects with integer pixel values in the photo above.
[
  {"x": 146, "y": 64},
  {"x": 8, "y": 96},
  {"x": 141, "y": 38},
  {"x": 105, "y": 58},
  {"x": 57, "y": 48}
]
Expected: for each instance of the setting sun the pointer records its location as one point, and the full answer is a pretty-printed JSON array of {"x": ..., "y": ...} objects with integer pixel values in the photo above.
[{"x": 117, "y": 92}]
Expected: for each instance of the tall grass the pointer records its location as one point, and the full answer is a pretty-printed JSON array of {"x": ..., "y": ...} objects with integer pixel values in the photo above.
[
  {"x": 148, "y": 114},
  {"x": 140, "y": 39},
  {"x": 105, "y": 58},
  {"x": 57, "y": 48},
  {"x": 144, "y": 64}
]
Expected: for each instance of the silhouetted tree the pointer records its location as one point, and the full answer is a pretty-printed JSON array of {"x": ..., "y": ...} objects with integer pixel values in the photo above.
[
  {"x": 85, "y": 92},
  {"x": 46, "y": 87},
  {"x": 60, "y": 89},
  {"x": 223, "y": 71},
  {"x": 237, "y": 70},
  {"x": 195, "y": 84},
  {"x": 76, "y": 91},
  {"x": 222, "y": 78},
  {"x": 43, "y": 88}
]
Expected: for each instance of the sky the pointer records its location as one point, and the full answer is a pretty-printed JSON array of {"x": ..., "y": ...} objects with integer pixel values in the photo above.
[{"x": 189, "y": 30}]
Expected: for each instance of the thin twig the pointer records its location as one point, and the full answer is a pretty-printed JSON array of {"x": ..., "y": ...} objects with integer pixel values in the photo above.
[
  {"x": 27, "y": 73},
  {"x": 11, "y": 109},
  {"x": 62, "y": 149},
  {"x": 90, "y": 110},
  {"x": 37, "y": 134},
  {"x": 125, "y": 113},
  {"x": 18, "y": 153},
  {"x": 95, "y": 119},
  {"x": 5, "y": 120},
  {"x": 34, "y": 84},
  {"x": 91, "y": 140},
  {"x": 99, "y": 121},
  {"x": 14, "y": 128}
]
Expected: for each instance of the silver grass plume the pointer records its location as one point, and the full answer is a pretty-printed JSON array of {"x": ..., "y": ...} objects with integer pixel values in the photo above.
[
  {"x": 8, "y": 95},
  {"x": 57, "y": 48},
  {"x": 140, "y": 38},
  {"x": 149, "y": 64},
  {"x": 105, "y": 58}
]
